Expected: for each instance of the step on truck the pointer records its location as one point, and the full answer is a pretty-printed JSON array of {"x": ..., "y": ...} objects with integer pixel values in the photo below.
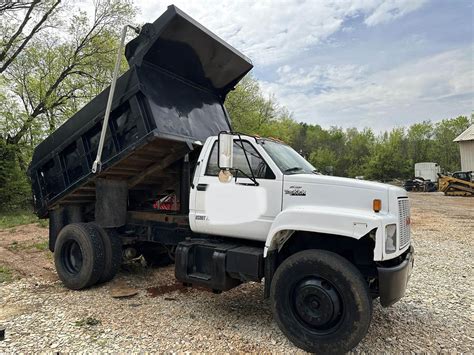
[{"x": 156, "y": 170}]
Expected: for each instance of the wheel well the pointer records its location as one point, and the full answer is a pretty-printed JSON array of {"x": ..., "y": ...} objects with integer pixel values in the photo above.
[{"x": 360, "y": 252}]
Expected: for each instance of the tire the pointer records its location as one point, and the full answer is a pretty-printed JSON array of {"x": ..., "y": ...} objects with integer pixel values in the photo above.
[
  {"x": 321, "y": 302},
  {"x": 112, "y": 252},
  {"x": 79, "y": 256}
]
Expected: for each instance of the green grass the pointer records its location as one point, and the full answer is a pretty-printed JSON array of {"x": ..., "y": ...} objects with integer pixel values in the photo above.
[
  {"x": 18, "y": 218},
  {"x": 5, "y": 274},
  {"x": 42, "y": 246}
]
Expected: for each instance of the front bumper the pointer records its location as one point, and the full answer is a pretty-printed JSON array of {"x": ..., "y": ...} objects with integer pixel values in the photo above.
[{"x": 393, "y": 280}]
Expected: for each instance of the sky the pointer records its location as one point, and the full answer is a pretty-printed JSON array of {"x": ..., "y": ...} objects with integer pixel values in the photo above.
[{"x": 350, "y": 63}]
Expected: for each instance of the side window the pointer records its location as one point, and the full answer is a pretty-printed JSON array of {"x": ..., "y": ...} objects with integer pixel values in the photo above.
[{"x": 260, "y": 169}]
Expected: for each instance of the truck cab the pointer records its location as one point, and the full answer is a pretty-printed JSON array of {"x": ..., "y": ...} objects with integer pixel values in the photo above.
[
  {"x": 310, "y": 229},
  {"x": 275, "y": 192}
]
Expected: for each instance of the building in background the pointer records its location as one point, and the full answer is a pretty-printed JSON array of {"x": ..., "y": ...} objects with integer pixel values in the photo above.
[{"x": 466, "y": 147}]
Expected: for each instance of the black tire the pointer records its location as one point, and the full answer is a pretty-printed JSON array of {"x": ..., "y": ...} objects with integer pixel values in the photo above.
[
  {"x": 112, "y": 251},
  {"x": 321, "y": 302},
  {"x": 79, "y": 256}
]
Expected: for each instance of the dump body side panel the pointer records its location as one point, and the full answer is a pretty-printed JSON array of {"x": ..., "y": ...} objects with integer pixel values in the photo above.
[{"x": 159, "y": 118}]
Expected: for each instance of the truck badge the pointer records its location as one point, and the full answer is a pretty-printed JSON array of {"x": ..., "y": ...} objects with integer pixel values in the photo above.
[{"x": 295, "y": 191}]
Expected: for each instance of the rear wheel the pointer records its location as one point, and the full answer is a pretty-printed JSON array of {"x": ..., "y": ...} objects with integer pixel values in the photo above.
[
  {"x": 79, "y": 256},
  {"x": 112, "y": 252},
  {"x": 321, "y": 302}
]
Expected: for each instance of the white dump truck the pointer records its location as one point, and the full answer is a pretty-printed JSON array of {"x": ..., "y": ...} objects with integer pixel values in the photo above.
[{"x": 165, "y": 176}]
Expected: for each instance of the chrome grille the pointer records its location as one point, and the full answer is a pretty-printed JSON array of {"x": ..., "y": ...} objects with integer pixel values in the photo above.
[{"x": 404, "y": 222}]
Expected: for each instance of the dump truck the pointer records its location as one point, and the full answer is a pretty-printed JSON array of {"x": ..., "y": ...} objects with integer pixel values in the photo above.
[{"x": 175, "y": 181}]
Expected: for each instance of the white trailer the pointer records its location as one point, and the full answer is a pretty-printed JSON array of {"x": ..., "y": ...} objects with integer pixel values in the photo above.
[{"x": 427, "y": 171}]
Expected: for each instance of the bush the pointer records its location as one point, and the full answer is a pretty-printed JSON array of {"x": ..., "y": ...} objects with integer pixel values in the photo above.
[{"x": 15, "y": 190}]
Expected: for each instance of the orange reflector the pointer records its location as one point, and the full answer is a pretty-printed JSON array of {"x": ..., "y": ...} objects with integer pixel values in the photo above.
[{"x": 377, "y": 205}]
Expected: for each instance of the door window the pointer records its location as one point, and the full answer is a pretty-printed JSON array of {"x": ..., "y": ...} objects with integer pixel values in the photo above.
[{"x": 260, "y": 169}]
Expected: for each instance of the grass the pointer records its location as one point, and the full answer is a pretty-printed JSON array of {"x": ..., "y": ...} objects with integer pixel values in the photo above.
[
  {"x": 17, "y": 218},
  {"x": 5, "y": 274},
  {"x": 42, "y": 246}
]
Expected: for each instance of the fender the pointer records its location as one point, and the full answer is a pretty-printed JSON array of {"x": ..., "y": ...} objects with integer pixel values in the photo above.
[{"x": 328, "y": 220}]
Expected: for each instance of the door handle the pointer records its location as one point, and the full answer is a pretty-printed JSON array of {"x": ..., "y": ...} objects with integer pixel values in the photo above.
[{"x": 201, "y": 187}]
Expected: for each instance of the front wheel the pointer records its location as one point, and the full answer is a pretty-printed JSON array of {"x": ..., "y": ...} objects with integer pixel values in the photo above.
[{"x": 321, "y": 302}]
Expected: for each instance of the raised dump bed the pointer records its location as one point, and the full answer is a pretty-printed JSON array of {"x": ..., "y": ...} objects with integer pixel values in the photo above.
[{"x": 168, "y": 102}]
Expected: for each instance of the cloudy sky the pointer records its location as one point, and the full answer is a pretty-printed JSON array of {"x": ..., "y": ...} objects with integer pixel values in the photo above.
[{"x": 362, "y": 63}]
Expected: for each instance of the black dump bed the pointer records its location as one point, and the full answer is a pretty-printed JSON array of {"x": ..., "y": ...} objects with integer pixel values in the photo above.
[{"x": 170, "y": 99}]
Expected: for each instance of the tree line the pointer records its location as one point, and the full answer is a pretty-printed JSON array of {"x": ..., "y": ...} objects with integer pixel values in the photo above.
[
  {"x": 54, "y": 60},
  {"x": 349, "y": 152}
]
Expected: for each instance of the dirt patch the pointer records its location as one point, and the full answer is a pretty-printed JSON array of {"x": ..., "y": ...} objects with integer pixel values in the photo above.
[
  {"x": 24, "y": 252},
  {"x": 176, "y": 287}
]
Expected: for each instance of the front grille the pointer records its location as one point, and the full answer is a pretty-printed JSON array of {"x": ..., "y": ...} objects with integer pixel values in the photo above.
[{"x": 404, "y": 222}]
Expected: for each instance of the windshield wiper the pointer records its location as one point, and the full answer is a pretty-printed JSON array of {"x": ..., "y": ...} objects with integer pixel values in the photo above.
[{"x": 296, "y": 168}]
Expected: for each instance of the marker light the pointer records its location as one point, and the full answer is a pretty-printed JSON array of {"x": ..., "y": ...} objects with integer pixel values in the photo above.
[{"x": 377, "y": 205}]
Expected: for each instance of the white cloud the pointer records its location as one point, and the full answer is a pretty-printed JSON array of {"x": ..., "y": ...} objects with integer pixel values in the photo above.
[
  {"x": 284, "y": 34},
  {"x": 352, "y": 96},
  {"x": 274, "y": 31},
  {"x": 390, "y": 10}
]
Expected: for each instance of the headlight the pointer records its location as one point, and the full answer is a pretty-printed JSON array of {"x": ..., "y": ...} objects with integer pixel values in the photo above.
[{"x": 390, "y": 238}]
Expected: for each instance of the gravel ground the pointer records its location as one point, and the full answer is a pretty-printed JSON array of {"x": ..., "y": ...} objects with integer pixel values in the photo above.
[{"x": 437, "y": 314}]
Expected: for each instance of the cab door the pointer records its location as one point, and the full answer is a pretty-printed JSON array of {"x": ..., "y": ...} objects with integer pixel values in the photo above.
[{"x": 237, "y": 208}]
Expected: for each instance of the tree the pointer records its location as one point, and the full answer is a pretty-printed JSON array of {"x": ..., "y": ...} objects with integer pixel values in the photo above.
[
  {"x": 389, "y": 159},
  {"x": 51, "y": 78},
  {"x": 54, "y": 73},
  {"x": 359, "y": 147},
  {"x": 21, "y": 21},
  {"x": 445, "y": 152},
  {"x": 252, "y": 113}
]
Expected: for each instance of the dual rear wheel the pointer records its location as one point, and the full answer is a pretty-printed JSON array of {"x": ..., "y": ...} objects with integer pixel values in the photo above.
[{"x": 86, "y": 254}]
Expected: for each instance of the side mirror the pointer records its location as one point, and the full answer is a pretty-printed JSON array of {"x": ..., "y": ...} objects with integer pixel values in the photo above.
[
  {"x": 225, "y": 156},
  {"x": 225, "y": 151}
]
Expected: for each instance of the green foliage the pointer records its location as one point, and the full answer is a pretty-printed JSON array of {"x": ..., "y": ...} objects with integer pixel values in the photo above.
[
  {"x": 48, "y": 75},
  {"x": 15, "y": 189},
  {"x": 6, "y": 274},
  {"x": 348, "y": 152},
  {"x": 17, "y": 218},
  {"x": 41, "y": 246}
]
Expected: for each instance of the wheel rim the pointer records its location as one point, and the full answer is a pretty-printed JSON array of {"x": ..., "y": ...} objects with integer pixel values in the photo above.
[
  {"x": 72, "y": 257},
  {"x": 317, "y": 305}
]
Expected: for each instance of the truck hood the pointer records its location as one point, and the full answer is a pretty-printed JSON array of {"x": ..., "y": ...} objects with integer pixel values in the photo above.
[{"x": 337, "y": 192}]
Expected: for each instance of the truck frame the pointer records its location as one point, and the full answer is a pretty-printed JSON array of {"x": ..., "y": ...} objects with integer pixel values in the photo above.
[{"x": 176, "y": 184}]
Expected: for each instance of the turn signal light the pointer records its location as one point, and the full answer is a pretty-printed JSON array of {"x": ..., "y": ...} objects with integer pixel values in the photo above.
[{"x": 377, "y": 205}]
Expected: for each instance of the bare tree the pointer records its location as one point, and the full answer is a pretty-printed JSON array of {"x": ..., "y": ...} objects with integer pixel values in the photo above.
[
  {"x": 52, "y": 73},
  {"x": 18, "y": 40}
]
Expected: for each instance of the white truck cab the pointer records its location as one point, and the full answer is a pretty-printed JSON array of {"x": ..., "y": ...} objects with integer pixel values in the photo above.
[
  {"x": 288, "y": 196},
  {"x": 331, "y": 244}
]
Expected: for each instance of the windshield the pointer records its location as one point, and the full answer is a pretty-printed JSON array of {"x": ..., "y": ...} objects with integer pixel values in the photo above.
[{"x": 289, "y": 161}]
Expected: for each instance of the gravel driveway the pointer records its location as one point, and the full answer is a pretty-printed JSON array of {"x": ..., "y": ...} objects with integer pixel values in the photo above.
[{"x": 435, "y": 315}]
